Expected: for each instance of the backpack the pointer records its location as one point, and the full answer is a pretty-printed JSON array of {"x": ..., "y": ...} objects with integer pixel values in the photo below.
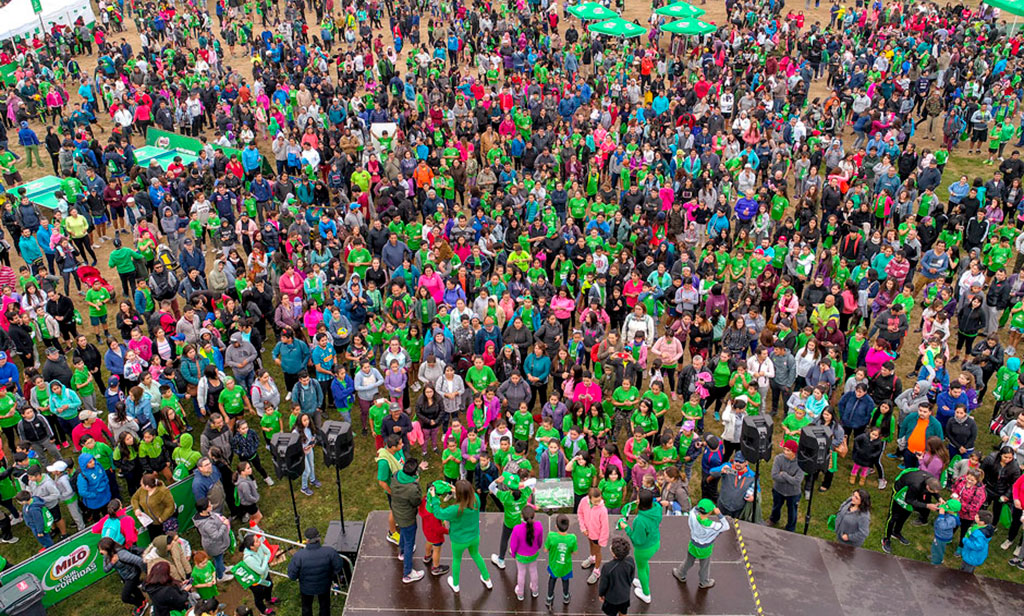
[
  {"x": 398, "y": 309},
  {"x": 47, "y": 520},
  {"x": 112, "y": 528}
]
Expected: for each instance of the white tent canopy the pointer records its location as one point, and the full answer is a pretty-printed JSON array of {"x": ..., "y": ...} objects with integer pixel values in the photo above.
[{"x": 18, "y": 19}]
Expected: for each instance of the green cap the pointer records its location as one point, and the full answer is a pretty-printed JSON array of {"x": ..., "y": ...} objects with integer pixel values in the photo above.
[
  {"x": 511, "y": 480},
  {"x": 705, "y": 505},
  {"x": 952, "y": 506},
  {"x": 441, "y": 487}
]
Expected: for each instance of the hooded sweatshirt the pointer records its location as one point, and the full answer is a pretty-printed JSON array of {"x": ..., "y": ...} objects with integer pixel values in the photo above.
[
  {"x": 184, "y": 457},
  {"x": 64, "y": 397},
  {"x": 93, "y": 484},
  {"x": 215, "y": 534},
  {"x": 645, "y": 533},
  {"x": 703, "y": 532}
]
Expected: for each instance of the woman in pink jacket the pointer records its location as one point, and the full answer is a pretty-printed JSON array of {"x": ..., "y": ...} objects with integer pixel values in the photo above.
[
  {"x": 563, "y": 306},
  {"x": 664, "y": 356},
  {"x": 433, "y": 283},
  {"x": 593, "y": 518},
  {"x": 290, "y": 283},
  {"x": 525, "y": 543},
  {"x": 586, "y": 393}
]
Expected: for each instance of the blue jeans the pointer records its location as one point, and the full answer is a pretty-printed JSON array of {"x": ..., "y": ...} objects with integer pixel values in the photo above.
[
  {"x": 790, "y": 502},
  {"x": 218, "y": 565},
  {"x": 938, "y": 551},
  {"x": 407, "y": 543},
  {"x": 309, "y": 473}
]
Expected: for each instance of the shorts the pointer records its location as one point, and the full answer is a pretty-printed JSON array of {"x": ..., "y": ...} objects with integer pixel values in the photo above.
[
  {"x": 100, "y": 220},
  {"x": 979, "y": 135},
  {"x": 1019, "y": 330},
  {"x": 251, "y": 510},
  {"x": 612, "y": 609},
  {"x": 595, "y": 541},
  {"x": 97, "y": 321},
  {"x": 117, "y": 212},
  {"x": 238, "y": 414},
  {"x": 55, "y": 512}
]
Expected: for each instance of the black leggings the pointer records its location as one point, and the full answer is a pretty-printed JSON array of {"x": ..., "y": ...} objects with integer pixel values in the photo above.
[
  {"x": 551, "y": 586},
  {"x": 506, "y": 534},
  {"x": 255, "y": 461},
  {"x": 717, "y": 396},
  {"x": 83, "y": 246},
  {"x": 261, "y": 596},
  {"x": 131, "y": 594},
  {"x": 965, "y": 342}
]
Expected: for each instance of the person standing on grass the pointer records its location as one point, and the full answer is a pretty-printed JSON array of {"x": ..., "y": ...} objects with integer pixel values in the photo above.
[
  {"x": 315, "y": 567},
  {"x": 706, "y": 524},
  {"x": 130, "y": 569},
  {"x": 787, "y": 479}
]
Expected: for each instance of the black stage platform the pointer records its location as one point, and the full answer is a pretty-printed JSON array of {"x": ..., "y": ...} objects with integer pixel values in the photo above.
[{"x": 789, "y": 574}]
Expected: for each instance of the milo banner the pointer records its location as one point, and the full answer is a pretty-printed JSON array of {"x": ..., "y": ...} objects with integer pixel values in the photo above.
[
  {"x": 188, "y": 145},
  {"x": 76, "y": 564}
]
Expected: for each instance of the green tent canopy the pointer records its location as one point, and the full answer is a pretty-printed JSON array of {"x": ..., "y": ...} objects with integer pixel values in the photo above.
[
  {"x": 680, "y": 10},
  {"x": 591, "y": 11},
  {"x": 618, "y": 27},
  {"x": 1013, "y": 7},
  {"x": 689, "y": 27}
]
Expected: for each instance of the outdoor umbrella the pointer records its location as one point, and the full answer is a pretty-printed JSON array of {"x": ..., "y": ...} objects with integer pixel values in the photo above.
[
  {"x": 690, "y": 27},
  {"x": 590, "y": 11},
  {"x": 618, "y": 27},
  {"x": 678, "y": 10}
]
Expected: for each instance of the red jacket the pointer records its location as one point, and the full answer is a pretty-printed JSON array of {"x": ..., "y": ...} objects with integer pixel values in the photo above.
[{"x": 971, "y": 500}]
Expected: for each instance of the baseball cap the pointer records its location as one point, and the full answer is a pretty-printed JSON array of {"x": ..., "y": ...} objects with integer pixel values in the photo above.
[
  {"x": 705, "y": 506},
  {"x": 57, "y": 467}
]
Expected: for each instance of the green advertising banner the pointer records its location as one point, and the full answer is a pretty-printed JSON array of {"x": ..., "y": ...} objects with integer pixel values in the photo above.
[
  {"x": 188, "y": 145},
  {"x": 76, "y": 564}
]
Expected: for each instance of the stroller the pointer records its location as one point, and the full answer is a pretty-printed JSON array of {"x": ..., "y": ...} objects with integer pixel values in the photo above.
[
  {"x": 88, "y": 274},
  {"x": 166, "y": 256}
]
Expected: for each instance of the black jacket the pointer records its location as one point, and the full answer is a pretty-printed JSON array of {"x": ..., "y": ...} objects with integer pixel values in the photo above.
[
  {"x": 166, "y": 599},
  {"x": 917, "y": 495},
  {"x": 58, "y": 370},
  {"x": 315, "y": 567},
  {"x": 962, "y": 434},
  {"x": 38, "y": 429},
  {"x": 998, "y": 295},
  {"x": 616, "y": 581}
]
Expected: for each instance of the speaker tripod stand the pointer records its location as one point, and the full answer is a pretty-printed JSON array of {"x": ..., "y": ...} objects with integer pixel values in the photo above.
[{"x": 295, "y": 509}]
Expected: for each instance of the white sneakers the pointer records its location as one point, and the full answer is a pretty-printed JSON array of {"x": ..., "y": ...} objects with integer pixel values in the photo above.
[
  {"x": 498, "y": 562},
  {"x": 452, "y": 584},
  {"x": 487, "y": 583},
  {"x": 588, "y": 563},
  {"x": 268, "y": 481},
  {"x": 414, "y": 576},
  {"x": 640, "y": 595}
]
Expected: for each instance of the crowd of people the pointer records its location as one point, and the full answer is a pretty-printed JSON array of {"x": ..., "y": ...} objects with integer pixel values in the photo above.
[{"x": 524, "y": 252}]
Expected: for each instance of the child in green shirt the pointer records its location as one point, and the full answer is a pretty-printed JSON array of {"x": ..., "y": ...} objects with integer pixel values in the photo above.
[
  {"x": 560, "y": 546},
  {"x": 204, "y": 576}
]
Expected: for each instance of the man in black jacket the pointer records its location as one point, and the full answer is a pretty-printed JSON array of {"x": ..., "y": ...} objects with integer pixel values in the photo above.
[
  {"x": 315, "y": 567},
  {"x": 913, "y": 490},
  {"x": 61, "y": 308}
]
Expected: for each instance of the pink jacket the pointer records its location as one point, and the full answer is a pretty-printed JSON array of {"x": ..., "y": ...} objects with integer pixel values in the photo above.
[
  {"x": 562, "y": 307},
  {"x": 517, "y": 543},
  {"x": 593, "y": 521},
  {"x": 131, "y": 536}
]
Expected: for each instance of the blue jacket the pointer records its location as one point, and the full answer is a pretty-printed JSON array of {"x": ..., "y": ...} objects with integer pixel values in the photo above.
[
  {"x": 30, "y": 250},
  {"x": 946, "y": 406},
  {"x": 114, "y": 362},
  {"x": 855, "y": 412},
  {"x": 9, "y": 376},
  {"x": 201, "y": 484},
  {"x": 294, "y": 356},
  {"x": 975, "y": 549},
  {"x": 482, "y": 336},
  {"x": 309, "y": 398},
  {"x": 93, "y": 483},
  {"x": 539, "y": 367},
  {"x": 344, "y": 392},
  {"x": 192, "y": 260},
  {"x": 43, "y": 235},
  {"x": 27, "y": 136},
  {"x": 250, "y": 159},
  {"x": 32, "y": 513},
  {"x": 260, "y": 190},
  {"x": 142, "y": 411},
  {"x": 945, "y": 526}
]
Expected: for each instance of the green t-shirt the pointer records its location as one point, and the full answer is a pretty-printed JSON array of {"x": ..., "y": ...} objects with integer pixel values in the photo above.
[
  {"x": 560, "y": 548},
  {"x": 659, "y": 402},
  {"x": 233, "y": 400},
  {"x": 663, "y": 457},
  {"x": 271, "y": 423},
  {"x": 582, "y": 478},
  {"x": 647, "y": 423},
  {"x": 359, "y": 255},
  {"x": 377, "y": 414},
  {"x": 513, "y": 509},
  {"x": 522, "y": 426},
  {"x": 480, "y": 378},
  {"x": 631, "y": 395},
  {"x": 612, "y": 492},
  {"x": 100, "y": 296},
  {"x": 451, "y": 461},
  {"x": 81, "y": 382},
  {"x": 384, "y": 470},
  {"x": 7, "y": 403}
]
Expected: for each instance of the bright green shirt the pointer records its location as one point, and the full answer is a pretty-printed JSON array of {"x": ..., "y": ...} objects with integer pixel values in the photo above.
[
  {"x": 560, "y": 548},
  {"x": 99, "y": 296}
]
